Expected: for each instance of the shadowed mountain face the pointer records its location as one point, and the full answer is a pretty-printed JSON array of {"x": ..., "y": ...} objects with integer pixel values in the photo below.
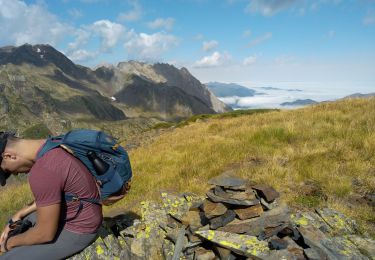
[{"x": 40, "y": 84}]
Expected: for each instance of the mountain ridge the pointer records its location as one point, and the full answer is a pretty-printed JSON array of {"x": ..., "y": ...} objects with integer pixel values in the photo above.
[{"x": 38, "y": 83}]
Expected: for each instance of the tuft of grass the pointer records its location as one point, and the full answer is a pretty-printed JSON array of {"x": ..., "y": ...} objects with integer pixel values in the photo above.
[{"x": 36, "y": 132}]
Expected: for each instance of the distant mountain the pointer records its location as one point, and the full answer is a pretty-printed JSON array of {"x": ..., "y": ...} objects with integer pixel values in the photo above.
[
  {"x": 229, "y": 90},
  {"x": 41, "y": 86},
  {"x": 290, "y": 90},
  {"x": 299, "y": 102},
  {"x": 360, "y": 95}
]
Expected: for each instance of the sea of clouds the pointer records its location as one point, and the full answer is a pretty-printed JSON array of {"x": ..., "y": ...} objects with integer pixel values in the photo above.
[{"x": 272, "y": 94}]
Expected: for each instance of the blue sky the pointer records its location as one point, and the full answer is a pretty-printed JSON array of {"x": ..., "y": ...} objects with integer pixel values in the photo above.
[{"x": 329, "y": 42}]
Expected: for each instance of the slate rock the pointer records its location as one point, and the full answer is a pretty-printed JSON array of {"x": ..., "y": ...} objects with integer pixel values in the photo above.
[
  {"x": 340, "y": 224},
  {"x": 212, "y": 209},
  {"x": 249, "y": 212},
  {"x": 224, "y": 253},
  {"x": 180, "y": 244},
  {"x": 216, "y": 198},
  {"x": 175, "y": 205},
  {"x": 193, "y": 218},
  {"x": 312, "y": 254},
  {"x": 228, "y": 181},
  {"x": 329, "y": 248},
  {"x": 277, "y": 244},
  {"x": 266, "y": 192},
  {"x": 310, "y": 218},
  {"x": 284, "y": 254},
  {"x": 365, "y": 245},
  {"x": 241, "y": 244},
  {"x": 269, "y": 206},
  {"x": 204, "y": 254},
  {"x": 222, "y": 220},
  {"x": 168, "y": 249},
  {"x": 247, "y": 194},
  {"x": 253, "y": 226},
  {"x": 270, "y": 231}
]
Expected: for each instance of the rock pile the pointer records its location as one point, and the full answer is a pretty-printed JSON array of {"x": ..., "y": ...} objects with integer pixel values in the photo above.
[{"x": 236, "y": 220}]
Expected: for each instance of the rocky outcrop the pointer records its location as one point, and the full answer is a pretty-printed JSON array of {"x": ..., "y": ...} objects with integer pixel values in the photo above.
[{"x": 236, "y": 220}]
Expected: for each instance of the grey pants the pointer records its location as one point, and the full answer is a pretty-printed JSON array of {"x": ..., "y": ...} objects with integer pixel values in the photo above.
[{"x": 63, "y": 246}]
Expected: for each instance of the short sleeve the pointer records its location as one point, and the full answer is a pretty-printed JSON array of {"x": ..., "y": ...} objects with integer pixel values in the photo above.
[{"x": 46, "y": 186}]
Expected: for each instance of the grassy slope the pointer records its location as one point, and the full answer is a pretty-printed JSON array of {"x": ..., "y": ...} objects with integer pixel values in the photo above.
[{"x": 329, "y": 147}]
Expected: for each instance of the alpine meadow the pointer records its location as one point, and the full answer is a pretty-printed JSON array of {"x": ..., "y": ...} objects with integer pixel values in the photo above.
[{"x": 319, "y": 156}]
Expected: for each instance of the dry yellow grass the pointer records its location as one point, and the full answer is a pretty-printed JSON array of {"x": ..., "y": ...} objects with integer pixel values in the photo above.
[{"x": 316, "y": 156}]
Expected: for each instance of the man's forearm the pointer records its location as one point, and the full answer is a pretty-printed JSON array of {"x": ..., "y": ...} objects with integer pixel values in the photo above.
[
  {"x": 24, "y": 211},
  {"x": 31, "y": 237}
]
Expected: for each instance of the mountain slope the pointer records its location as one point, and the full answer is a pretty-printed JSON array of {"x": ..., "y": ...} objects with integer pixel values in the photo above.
[{"x": 40, "y": 85}]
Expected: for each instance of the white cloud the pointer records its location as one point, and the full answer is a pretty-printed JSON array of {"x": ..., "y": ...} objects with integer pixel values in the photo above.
[
  {"x": 269, "y": 7},
  {"x": 22, "y": 23},
  {"x": 82, "y": 37},
  {"x": 249, "y": 60},
  {"x": 260, "y": 39},
  {"x": 75, "y": 13},
  {"x": 82, "y": 55},
  {"x": 210, "y": 45},
  {"x": 132, "y": 15},
  {"x": 369, "y": 19},
  {"x": 246, "y": 33},
  {"x": 272, "y": 7},
  {"x": 109, "y": 32},
  {"x": 149, "y": 47},
  {"x": 158, "y": 23},
  {"x": 215, "y": 60}
]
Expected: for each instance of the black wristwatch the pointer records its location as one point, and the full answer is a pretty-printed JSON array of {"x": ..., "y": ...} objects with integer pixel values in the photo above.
[{"x": 10, "y": 221}]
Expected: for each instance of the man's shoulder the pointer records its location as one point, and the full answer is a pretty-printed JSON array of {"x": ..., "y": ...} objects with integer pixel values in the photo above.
[{"x": 53, "y": 159}]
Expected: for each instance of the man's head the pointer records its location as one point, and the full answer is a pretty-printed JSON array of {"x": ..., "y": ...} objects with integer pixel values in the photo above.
[
  {"x": 4, "y": 174},
  {"x": 17, "y": 155}
]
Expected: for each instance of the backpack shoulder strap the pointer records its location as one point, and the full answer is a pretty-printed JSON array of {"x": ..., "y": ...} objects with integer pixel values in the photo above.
[{"x": 51, "y": 143}]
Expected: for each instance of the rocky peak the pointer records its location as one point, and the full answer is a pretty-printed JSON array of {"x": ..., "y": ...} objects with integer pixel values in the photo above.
[{"x": 41, "y": 55}]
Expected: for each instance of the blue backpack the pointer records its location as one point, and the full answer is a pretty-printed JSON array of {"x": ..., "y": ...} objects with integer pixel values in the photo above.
[{"x": 79, "y": 142}]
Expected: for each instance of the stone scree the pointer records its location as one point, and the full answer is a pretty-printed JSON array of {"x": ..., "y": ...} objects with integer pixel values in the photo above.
[{"x": 236, "y": 220}]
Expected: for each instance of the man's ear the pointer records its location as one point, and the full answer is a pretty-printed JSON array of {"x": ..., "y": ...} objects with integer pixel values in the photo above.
[{"x": 9, "y": 155}]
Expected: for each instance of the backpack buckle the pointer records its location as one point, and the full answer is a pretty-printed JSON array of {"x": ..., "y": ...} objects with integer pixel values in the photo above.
[{"x": 74, "y": 199}]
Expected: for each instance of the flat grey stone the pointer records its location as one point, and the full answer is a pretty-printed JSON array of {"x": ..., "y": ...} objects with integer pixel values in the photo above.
[
  {"x": 212, "y": 209},
  {"x": 365, "y": 245},
  {"x": 266, "y": 192},
  {"x": 244, "y": 245},
  {"x": 227, "y": 180},
  {"x": 249, "y": 212},
  {"x": 222, "y": 220},
  {"x": 340, "y": 224},
  {"x": 216, "y": 198}
]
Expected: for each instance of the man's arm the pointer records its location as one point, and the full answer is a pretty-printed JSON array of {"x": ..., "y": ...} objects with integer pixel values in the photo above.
[
  {"x": 17, "y": 216},
  {"x": 44, "y": 230}
]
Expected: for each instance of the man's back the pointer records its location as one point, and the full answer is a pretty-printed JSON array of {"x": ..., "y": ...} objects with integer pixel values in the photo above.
[{"x": 58, "y": 172}]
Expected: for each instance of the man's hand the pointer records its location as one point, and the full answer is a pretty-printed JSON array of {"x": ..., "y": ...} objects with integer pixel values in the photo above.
[
  {"x": 3, "y": 248},
  {"x": 44, "y": 230},
  {"x": 19, "y": 215},
  {"x": 4, "y": 235}
]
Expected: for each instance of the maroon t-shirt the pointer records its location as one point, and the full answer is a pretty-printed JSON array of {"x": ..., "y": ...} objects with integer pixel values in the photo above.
[{"x": 58, "y": 172}]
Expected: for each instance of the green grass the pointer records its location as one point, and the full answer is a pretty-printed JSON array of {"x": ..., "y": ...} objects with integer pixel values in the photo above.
[{"x": 331, "y": 145}]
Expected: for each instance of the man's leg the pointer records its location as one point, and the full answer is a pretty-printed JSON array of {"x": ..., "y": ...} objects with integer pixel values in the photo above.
[{"x": 66, "y": 244}]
